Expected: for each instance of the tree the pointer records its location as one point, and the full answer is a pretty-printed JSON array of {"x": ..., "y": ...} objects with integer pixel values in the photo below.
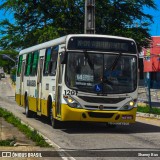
[
  {"x": 124, "y": 18},
  {"x": 6, "y": 62},
  {"x": 42, "y": 20}
]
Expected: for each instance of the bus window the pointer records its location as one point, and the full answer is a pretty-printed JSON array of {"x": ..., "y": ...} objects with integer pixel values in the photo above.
[
  {"x": 28, "y": 64},
  {"x": 53, "y": 63},
  {"x": 35, "y": 63},
  {"x": 19, "y": 66},
  {"x": 47, "y": 61}
]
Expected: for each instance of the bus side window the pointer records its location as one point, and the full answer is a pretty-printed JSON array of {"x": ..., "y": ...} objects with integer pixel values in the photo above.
[
  {"x": 19, "y": 66},
  {"x": 35, "y": 63},
  {"x": 53, "y": 62},
  {"x": 28, "y": 64},
  {"x": 47, "y": 61}
]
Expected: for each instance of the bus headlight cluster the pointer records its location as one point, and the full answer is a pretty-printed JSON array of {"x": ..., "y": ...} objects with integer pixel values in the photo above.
[
  {"x": 72, "y": 102},
  {"x": 129, "y": 105}
]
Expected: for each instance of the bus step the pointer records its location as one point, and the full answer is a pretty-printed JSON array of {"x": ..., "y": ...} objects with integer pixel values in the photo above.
[{"x": 39, "y": 113}]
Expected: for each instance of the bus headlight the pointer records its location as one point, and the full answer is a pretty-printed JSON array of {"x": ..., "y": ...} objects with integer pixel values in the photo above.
[
  {"x": 129, "y": 105},
  {"x": 72, "y": 102}
]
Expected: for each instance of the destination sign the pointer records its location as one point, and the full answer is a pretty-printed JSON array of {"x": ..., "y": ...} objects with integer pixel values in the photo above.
[{"x": 101, "y": 44}]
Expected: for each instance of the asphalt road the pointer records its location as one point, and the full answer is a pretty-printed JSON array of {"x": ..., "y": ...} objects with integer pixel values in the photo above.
[{"x": 93, "y": 141}]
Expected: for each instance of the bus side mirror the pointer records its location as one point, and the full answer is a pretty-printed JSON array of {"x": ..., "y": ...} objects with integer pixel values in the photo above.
[{"x": 63, "y": 57}]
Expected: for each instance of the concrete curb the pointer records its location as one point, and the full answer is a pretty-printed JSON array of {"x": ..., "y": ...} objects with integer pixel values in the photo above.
[
  {"x": 62, "y": 153},
  {"x": 148, "y": 115}
]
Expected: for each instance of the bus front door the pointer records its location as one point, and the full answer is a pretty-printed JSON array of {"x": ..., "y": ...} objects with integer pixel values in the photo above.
[
  {"x": 58, "y": 91},
  {"x": 39, "y": 85}
]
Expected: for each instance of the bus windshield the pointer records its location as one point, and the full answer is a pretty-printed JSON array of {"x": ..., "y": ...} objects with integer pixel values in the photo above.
[{"x": 101, "y": 73}]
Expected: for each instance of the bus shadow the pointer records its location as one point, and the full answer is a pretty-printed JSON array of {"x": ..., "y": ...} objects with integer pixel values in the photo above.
[
  {"x": 86, "y": 128},
  {"x": 90, "y": 127}
]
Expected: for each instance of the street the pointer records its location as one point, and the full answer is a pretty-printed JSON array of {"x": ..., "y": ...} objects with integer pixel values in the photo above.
[{"x": 89, "y": 141}]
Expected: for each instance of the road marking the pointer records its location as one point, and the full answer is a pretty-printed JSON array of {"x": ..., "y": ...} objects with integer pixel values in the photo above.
[{"x": 64, "y": 155}]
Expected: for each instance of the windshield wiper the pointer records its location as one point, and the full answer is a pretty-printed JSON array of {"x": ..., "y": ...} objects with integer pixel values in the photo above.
[
  {"x": 89, "y": 60},
  {"x": 115, "y": 61},
  {"x": 111, "y": 82}
]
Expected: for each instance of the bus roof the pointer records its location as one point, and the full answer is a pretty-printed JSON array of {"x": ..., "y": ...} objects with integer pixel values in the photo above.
[
  {"x": 44, "y": 45},
  {"x": 63, "y": 40}
]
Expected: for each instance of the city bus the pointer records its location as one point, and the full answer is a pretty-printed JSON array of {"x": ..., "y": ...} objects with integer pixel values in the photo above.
[{"x": 79, "y": 77}]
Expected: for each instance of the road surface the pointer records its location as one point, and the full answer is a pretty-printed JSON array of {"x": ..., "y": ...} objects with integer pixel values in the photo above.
[{"x": 93, "y": 141}]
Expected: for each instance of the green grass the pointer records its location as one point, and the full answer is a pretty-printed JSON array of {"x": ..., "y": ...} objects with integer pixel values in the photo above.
[
  {"x": 147, "y": 109},
  {"x": 31, "y": 134},
  {"x": 7, "y": 142}
]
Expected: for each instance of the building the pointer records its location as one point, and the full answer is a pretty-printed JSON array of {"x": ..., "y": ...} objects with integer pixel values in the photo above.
[{"x": 151, "y": 62}]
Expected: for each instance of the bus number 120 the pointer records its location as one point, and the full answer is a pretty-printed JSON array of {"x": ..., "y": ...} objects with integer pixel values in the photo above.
[{"x": 70, "y": 92}]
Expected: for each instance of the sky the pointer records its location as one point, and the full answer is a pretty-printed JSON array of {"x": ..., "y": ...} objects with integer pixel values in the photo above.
[{"x": 154, "y": 28}]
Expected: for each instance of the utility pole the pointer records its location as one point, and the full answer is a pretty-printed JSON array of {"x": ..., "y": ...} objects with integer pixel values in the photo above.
[{"x": 89, "y": 24}]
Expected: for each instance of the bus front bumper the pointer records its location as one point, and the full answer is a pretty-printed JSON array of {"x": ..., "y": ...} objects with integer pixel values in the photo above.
[{"x": 74, "y": 114}]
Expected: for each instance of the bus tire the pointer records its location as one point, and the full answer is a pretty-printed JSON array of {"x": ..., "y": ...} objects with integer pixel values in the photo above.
[
  {"x": 54, "y": 122},
  {"x": 27, "y": 111}
]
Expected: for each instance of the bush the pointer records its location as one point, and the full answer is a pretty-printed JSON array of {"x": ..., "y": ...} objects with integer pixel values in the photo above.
[
  {"x": 32, "y": 134},
  {"x": 13, "y": 75},
  {"x": 147, "y": 109}
]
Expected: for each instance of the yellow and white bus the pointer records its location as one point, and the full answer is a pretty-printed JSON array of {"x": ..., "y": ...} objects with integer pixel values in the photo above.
[{"x": 80, "y": 77}]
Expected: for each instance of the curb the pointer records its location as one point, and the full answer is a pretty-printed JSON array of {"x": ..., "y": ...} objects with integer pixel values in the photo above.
[
  {"x": 62, "y": 153},
  {"x": 51, "y": 144},
  {"x": 148, "y": 115}
]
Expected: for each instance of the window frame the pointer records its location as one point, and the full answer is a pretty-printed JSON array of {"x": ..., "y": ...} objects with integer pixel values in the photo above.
[
  {"x": 54, "y": 57},
  {"x": 34, "y": 64},
  {"x": 48, "y": 64},
  {"x": 46, "y": 61},
  {"x": 28, "y": 67},
  {"x": 19, "y": 69}
]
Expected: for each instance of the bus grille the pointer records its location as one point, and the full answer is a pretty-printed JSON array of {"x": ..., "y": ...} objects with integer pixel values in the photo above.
[
  {"x": 100, "y": 115},
  {"x": 97, "y": 107},
  {"x": 101, "y": 100}
]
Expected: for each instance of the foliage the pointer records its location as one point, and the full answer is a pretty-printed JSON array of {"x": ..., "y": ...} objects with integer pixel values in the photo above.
[
  {"x": 5, "y": 62},
  {"x": 39, "y": 21},
  {"x": 32, "y": 134},
  {"x": 7, "y": 142},
  {"x": 13, "y": 71},
  {"x": 13, "y": 75},
  {"x": 147, "y": 109},
  {"x": 124, "y": 18}
]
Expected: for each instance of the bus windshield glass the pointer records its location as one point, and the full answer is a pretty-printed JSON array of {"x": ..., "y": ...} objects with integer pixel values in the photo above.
[{"x": 98, "y": 73}]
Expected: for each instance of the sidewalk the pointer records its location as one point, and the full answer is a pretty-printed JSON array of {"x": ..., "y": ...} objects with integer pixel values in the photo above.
[
  {"x": 8, "y": 131},
  {"x": 21, "y": 144},
  {"x": 155, "y": 96}
]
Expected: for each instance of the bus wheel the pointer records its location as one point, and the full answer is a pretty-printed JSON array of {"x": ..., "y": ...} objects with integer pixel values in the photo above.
[
  {"x": 27, "y": 111},
  {"x": 54, "y": 122}
]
